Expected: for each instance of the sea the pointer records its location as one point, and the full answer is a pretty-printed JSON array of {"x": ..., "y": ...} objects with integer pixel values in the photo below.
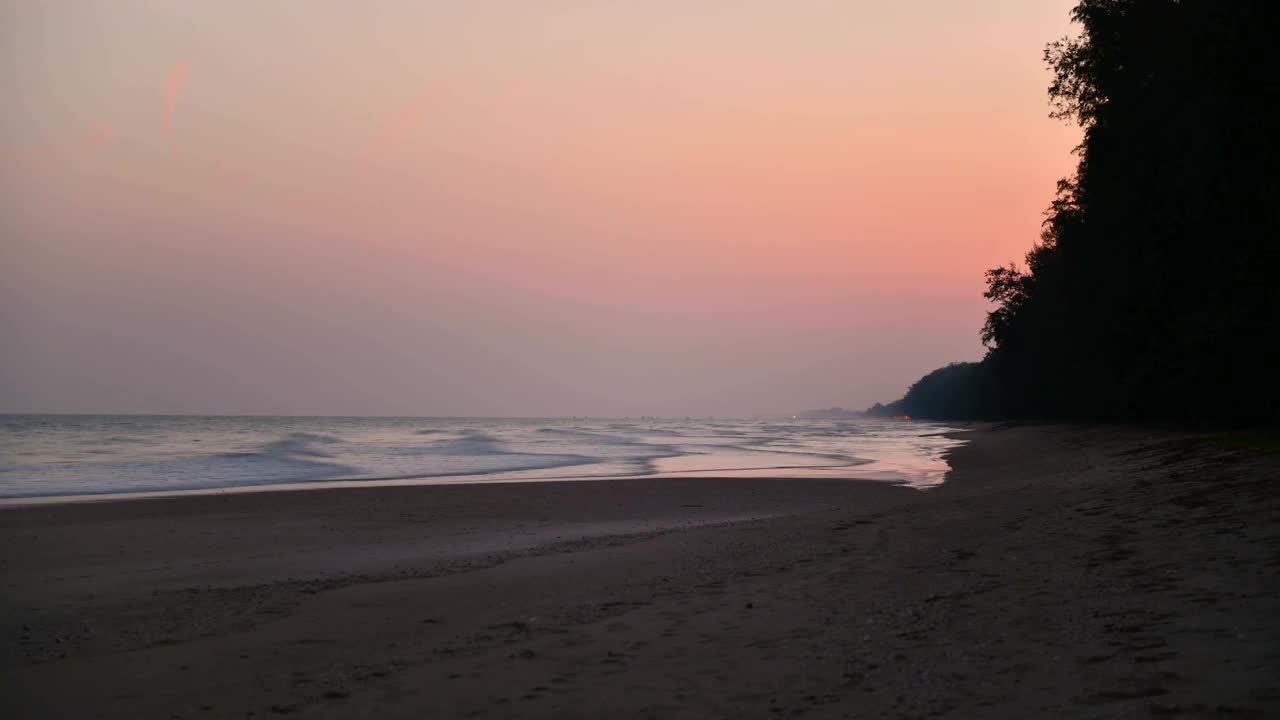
[{"x": 65, "y": 456}]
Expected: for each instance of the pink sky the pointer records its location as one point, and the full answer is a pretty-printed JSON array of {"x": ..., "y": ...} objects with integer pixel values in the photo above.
[{"x": 545, "y": 207}]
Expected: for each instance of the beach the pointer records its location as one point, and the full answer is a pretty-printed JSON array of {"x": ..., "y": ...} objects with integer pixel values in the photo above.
[{"x": 1060, "y": 571}]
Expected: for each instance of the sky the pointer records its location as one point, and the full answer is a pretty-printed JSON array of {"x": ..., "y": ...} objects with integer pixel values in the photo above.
[{"x": 510, "y": 207}]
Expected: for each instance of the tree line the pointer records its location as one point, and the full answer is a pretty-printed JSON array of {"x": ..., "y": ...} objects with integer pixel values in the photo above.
[{"x": 1152, "y": 292}]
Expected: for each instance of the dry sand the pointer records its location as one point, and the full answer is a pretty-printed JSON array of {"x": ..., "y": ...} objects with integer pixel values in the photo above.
[{"x": 1060, "y": 572}]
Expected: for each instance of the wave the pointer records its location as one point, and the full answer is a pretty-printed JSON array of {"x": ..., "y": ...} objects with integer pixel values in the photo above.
[
  {"x": 74, "y": 456},
  {"x": 295, "y": 444}
]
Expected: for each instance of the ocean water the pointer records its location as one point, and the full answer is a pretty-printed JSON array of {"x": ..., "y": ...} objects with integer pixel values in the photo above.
[{"x": 64, "y": 455}]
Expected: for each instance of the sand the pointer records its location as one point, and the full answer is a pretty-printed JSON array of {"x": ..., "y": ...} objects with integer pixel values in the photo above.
[{"x": 1060, "y": 572}]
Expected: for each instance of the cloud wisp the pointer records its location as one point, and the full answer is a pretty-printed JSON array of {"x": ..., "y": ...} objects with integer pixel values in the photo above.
[
  {"x": 101, "y": 135},
  {"x": 177, "y": 76},
  {"x": 395, "y": 129}
]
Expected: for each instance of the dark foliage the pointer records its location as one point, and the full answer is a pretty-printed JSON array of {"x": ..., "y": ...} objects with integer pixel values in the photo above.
[
  {"x": 959, "y": 391},
  {"x": 1152, "y": 293}
]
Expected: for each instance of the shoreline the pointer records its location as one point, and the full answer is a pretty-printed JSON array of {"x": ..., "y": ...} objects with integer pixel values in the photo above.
[
  {"x": 423, "y": 482},
  {"x": 54, "y": 476},
  {"x": 338, "y": 486},
  {"x": 1060, "y": 570},
  {"x": 7, "y": 503}
]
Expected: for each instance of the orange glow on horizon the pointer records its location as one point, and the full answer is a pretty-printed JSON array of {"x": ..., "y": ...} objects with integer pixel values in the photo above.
[{"x": 715, "y": 180}]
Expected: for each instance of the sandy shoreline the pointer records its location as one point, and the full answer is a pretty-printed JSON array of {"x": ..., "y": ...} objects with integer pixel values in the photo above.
[{"x": 1060, "y": 572}]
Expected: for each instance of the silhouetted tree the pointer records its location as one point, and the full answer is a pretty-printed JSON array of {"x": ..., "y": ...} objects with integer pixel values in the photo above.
[{"x": 1151, "y": 293}]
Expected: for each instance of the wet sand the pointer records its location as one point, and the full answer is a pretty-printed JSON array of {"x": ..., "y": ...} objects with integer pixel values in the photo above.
[{"x": 1060, "y": 572}]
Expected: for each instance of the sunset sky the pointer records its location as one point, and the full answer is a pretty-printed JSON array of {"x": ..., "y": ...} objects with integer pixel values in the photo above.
[{"x": 510, "y": 207}]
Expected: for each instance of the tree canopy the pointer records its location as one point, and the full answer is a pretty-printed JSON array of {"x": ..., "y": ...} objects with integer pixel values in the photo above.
[{"x": 1152, "y": 291}]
